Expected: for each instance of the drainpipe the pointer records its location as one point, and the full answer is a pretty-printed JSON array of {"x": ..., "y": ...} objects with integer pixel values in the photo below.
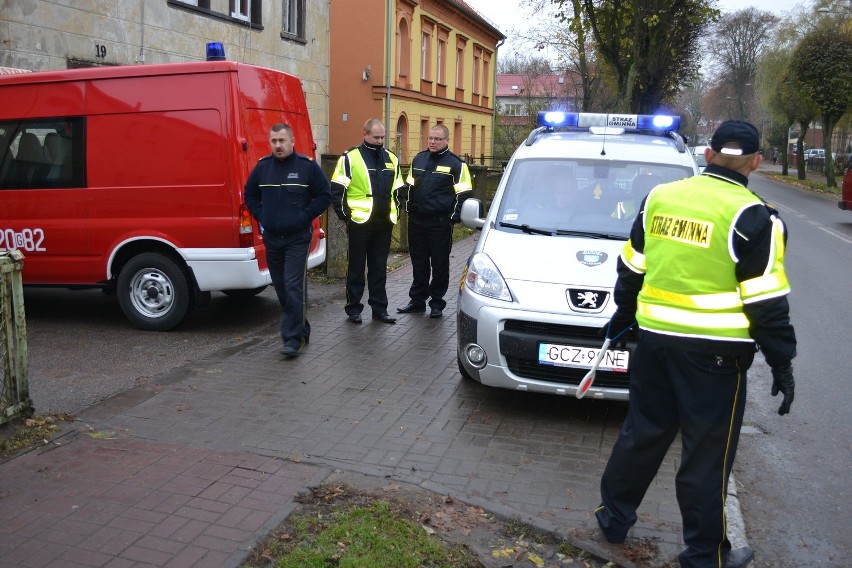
[
  {"x": 388, "y": 65},
  {"x": 141, "y": 57},
  {"x": 494, "y": 103}
]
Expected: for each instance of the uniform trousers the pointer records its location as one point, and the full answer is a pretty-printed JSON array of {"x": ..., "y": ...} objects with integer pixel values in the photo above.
[
  {"x": 430, "y": 239},
  {"x": 702, "y": 395},
  {"x": 287, "y": 258},
  {"x": 369, "y": 246}
]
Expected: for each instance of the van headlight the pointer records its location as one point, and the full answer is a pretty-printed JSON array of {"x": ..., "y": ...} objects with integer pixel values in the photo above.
[{"x": 482, "y": 277}]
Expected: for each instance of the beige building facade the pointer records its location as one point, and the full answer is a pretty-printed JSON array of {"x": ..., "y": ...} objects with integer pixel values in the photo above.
[{"x": 288, "y": 35}]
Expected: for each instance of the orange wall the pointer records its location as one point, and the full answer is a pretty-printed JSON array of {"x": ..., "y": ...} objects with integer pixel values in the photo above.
[{"x": 358, "y": 31}]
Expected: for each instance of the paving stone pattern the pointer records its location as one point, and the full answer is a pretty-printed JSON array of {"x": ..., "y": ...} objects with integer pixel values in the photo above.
[{"x": 192, "y": 472}]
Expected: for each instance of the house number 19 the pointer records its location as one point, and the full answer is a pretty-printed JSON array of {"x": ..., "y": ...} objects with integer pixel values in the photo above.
[{"x": 100, "y": 50}]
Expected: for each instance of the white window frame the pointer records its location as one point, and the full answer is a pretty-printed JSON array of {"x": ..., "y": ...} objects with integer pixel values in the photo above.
[
  {"x": 292, "y": 16},
  {"x": 239, "y": 5}
]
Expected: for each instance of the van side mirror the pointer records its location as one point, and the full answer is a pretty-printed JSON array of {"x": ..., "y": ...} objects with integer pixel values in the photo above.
[{"x": 472, "y": 213}]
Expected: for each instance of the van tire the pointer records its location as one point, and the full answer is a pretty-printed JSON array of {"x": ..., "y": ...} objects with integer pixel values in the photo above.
[
  {"x": 244, "y": 294},
  {"x": 153, "y": 292}
]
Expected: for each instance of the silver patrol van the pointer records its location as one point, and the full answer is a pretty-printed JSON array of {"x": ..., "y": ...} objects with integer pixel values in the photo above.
[{"x": 537, "y": 288}]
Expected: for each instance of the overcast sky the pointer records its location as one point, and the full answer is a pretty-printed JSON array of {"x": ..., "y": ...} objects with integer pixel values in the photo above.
[{"x": 508, "y": 17}]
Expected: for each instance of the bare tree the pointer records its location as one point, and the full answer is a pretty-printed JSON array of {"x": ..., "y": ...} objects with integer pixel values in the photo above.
[
  {"x": 518, "y": 63},
  {"x": 739, "y": 39},
  {"x": 690, "y": 106}
]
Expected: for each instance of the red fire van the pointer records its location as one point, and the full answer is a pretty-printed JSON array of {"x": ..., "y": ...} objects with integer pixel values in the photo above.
[{"x": 131, "y": 178}]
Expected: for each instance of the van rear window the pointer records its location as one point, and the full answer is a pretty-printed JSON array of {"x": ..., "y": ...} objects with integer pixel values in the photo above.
[{"x": 42, "y": 153}]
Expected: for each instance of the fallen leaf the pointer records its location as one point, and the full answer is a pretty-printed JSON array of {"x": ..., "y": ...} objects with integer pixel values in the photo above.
[
  {"x": 535, "y": 559},
  {"x": 429, "y": 530},
  {"x": 503, "y": 553}
]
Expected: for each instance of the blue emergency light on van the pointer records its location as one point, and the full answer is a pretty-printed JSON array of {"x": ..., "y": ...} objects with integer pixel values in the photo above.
[
  {"x": 634, "y": 122},
  {"x": 215, "y": 51}
]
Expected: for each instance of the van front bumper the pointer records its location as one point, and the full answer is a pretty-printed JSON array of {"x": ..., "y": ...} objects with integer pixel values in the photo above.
[{"x": 510, "y": 339}]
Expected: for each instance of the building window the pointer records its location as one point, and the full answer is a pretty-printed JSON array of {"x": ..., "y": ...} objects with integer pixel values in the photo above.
[
  {"x": 293, "y": 16},
  {"x": 459, "y": 68},
  {"x": 457, "y": 138},
  {"x": 199, "y": 3},
  {"x": 486, "y": 73},
  {"x": 246, "y": 10},
  {"x": 477, "y": 69},
  {"x": 426, "y": 57},
  {"x": 403, "y": 52},
  {"x": 442, "y": 55},
  {"x": 513, "y": 110},
  {"x": 427, "y": 28},
  {"x": 424, "y": 134}
]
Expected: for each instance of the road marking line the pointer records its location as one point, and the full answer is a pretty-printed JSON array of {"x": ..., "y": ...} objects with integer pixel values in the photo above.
[{"x": 837, "y": 234}]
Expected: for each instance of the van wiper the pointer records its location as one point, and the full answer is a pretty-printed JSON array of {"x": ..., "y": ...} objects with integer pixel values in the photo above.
[
  {"x": 527, "y": 229},
  {"x": 591, "y": 235}
]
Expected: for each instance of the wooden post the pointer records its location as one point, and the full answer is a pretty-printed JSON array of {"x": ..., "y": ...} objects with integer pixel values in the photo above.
[{"x": 337, "y": 242}]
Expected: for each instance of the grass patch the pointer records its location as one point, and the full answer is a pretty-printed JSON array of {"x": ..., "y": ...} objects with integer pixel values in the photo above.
[
  {"x": 808, "y": 184},
  {"x": 375, "y": 535},
  {"x": 397, "y": 526}
]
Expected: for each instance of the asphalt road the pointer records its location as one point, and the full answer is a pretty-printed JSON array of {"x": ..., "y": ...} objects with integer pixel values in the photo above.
[
  {"x": 82, "y": 350},
  {"x": 793, "y": 471}
]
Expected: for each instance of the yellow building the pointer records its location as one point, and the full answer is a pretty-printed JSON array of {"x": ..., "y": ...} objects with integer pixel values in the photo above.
[{"x": 432, "y": 62}]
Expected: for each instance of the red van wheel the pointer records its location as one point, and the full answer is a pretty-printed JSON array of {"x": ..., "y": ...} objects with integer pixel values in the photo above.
[{"x": 153, "y": 292}]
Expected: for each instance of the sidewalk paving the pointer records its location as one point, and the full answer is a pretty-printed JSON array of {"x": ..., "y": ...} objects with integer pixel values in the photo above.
[{"x": 193, "y": 471}]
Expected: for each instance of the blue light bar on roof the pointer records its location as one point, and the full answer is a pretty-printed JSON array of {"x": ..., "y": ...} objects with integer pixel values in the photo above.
[
  {"x": 556, "y": 118},
  {"x": 658, "y": 122}
]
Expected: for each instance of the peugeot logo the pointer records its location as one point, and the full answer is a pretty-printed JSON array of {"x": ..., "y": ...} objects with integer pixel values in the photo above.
[{"x": 588, "y": 301}]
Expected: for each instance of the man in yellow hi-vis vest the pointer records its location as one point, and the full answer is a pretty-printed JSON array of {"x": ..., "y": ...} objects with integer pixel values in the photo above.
[
  {"x": 703, "y": 276},
  {"x": 363, "y": 191}
]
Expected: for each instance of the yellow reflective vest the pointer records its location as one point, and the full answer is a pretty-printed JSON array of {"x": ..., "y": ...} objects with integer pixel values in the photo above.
[
  {"x": 690, "y": 287},
  {"x": 352, "y": 173}
]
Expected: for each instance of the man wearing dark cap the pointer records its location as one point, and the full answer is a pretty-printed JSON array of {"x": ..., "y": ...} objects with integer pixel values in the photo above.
[{"x": 703, "y": 276}]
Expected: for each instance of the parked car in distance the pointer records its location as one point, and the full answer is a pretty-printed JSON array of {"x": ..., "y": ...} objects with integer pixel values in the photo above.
[
  {"x": 698, "y": 154},
  {"x": 845, "y": 202},
  {"x": 812, "y": 153}
]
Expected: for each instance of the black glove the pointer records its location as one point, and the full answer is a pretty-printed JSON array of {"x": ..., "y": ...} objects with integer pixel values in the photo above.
[
  {"x": 782, "y": 380},
  {"x": 621, "y": 320}
]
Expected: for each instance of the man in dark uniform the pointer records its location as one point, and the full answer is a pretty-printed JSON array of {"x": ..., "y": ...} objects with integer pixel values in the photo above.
[
  {"x": 363, "y": 189},
  {"x": 436, "y": 186},
  {"x": 703, "y": 275},
  {"x": 285, "y": 192}
]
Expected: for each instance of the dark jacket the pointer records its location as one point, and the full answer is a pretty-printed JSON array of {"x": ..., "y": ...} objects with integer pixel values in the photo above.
[
  {"x": 286, "y": 195},
  {"x": 437, "y": 185}
]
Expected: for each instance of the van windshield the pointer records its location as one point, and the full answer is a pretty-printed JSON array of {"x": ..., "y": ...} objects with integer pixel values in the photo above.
[{"x": 578, "y": 197}]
